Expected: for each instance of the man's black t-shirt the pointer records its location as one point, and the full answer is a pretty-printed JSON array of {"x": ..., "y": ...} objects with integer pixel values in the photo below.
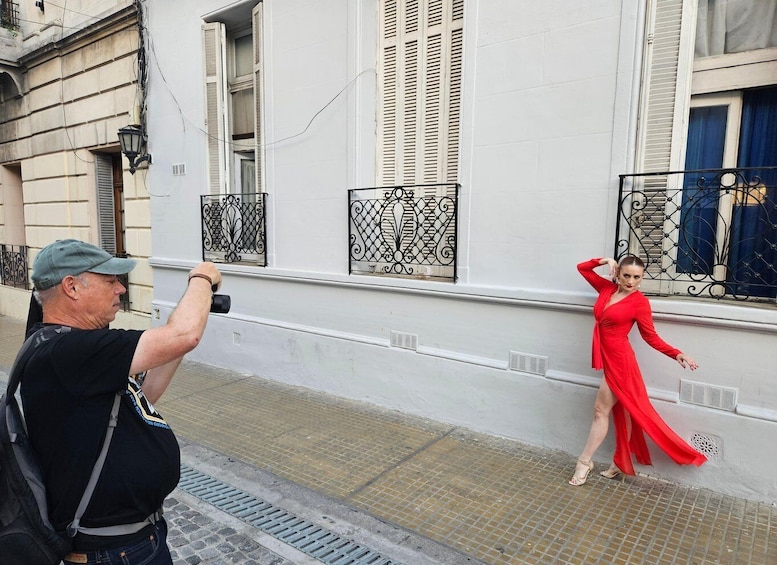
[{"x": 67, "y": 389}]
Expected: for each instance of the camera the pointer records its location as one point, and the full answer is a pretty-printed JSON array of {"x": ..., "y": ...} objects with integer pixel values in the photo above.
[{"x": 220, "y": 304}]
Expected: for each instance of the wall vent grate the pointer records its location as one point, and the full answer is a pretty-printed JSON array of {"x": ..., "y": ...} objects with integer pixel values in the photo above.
[
  {"x": 706, "y": 444},
  {"x": 317, "y": 542},
  {"x": 703, "y": 394},
  {"x": 526, "y": 363},
  {"x": 404, "y": 340},
  {"x": 179, "y": 169}
]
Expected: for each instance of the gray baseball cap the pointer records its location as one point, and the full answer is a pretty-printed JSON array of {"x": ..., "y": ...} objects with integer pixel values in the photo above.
[{"x": 72, "y": 257}]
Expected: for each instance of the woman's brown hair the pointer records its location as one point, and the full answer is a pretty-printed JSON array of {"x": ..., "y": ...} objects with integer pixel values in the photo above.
[{"x": 631, "y": 260}]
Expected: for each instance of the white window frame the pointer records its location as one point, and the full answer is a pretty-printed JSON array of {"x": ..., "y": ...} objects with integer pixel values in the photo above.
[{"x": 218, "y": 58}]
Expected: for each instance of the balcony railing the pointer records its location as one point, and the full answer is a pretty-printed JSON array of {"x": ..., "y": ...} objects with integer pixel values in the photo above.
[
  {"x": 9, "y": 15},
  {"x": 13, "y": 266},
  {"x": 233, "y": 228},
  {"x": 707, "y": 233},
  {"x": 404, "y": 231}
]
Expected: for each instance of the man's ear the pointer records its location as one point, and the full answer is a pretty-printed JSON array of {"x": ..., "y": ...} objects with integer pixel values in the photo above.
[{"x": 69, "y": 286}]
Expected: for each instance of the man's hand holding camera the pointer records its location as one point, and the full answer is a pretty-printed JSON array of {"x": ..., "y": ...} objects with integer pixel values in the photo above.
[
  {"x": 206, "y": 272},
  {"x": 220, "y": 303}
]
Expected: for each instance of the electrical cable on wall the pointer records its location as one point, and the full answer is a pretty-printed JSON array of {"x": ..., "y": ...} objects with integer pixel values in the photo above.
[
  {"x": 185, "y": 117},
  {"x": 60, "y": 57}
]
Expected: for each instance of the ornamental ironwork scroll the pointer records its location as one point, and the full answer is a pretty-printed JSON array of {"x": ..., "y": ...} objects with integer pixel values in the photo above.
[
  {"x": 404, "y": 231},
  {"x": 234, "y": 229},
  {"x": 705, "y": 233},
  {"x": 13, "y": 265}
]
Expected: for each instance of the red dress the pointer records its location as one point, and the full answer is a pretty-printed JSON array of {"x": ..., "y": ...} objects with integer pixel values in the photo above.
[{"x": 613, "y": 353}]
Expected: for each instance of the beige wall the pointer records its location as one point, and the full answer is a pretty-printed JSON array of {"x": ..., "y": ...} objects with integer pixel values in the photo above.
[{"x": 74, "y": 101}]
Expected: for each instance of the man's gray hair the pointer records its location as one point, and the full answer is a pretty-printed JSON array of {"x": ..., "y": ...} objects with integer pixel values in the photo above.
[{"x": 43, "y": 296}]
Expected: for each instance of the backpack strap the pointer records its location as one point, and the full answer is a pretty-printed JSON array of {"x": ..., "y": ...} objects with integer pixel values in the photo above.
[
  {"x": 42, "y": 335},
  {"x": 122, "y": 529},
  {"x": 74, "y": 526}
]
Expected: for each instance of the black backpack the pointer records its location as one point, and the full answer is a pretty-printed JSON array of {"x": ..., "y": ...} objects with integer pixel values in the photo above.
[{"x": 26, "y": 535}]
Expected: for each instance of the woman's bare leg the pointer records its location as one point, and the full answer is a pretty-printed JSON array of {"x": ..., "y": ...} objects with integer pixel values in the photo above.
[{"x": 605, "y": 400}]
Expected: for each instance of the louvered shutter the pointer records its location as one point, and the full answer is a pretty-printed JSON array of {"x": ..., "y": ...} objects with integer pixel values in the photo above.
[
  {"x": 216, "y": 119},
  {"x": 665, "y": 86},
  {"x": 388, "y": 101},
  {"x": 663, "y": 120},
  {"x": 420, "y": 87},
  {"x": 106, "y": 215},
  {"x": 412, "y": 46},
  {"x": 256, "y": 19},
  {"x": 454, "y": 93},
  {"x": 433, "y": 109}
]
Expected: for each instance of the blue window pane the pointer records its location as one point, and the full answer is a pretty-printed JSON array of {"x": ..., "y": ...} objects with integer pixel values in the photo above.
[{"x": 699, "y": 212}]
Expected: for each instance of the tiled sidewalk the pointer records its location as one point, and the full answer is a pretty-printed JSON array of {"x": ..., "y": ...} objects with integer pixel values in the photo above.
[{"x": 496, "y": 500}]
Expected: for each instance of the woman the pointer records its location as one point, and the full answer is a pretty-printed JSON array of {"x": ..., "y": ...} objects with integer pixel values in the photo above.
[{"x": 622, "y": 390}]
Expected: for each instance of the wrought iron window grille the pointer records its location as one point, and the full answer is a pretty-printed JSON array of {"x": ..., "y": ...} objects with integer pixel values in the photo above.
[
  {"x": 705, "y": 233},
  {"x": 13, "y": 266},
  {"x": 9, "y": 15},
  {"x": 404, "y": 231},
  {"x": 234, "y": 228}
]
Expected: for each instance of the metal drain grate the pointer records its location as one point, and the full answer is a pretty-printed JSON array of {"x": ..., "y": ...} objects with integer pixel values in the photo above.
[{"x": 315, "y": 541}]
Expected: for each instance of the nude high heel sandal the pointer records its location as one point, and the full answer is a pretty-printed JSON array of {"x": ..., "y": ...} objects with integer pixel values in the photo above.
[
  {"x": 576, "y": 480},
  {"x": 611, "y": 473}
]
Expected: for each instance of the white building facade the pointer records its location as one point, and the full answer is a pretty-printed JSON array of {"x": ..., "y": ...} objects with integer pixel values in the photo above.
[{"x": 503, "y": 142}]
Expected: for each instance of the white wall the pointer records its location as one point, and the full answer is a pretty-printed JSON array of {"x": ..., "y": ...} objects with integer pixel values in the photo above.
[
  {"x": 544, "y": 102},
  {"x": 547, "y": 120}
]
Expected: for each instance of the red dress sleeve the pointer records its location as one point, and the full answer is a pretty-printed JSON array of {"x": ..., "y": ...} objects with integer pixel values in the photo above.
[
  {"x": 644, "y": 318},
  {"x": 586, "y": 268}
]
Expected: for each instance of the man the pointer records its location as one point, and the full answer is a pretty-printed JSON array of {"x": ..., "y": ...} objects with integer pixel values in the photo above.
[{"x": 68, "y": 388}]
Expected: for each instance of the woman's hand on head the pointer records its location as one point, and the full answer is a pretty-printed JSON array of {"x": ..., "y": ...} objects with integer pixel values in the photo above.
[
  {"x": 687, "y": 361},
  {"x": 613, "y": 264}
]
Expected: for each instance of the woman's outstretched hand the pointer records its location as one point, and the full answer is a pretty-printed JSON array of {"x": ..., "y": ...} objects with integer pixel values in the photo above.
[{"x": 687, "y": 361}]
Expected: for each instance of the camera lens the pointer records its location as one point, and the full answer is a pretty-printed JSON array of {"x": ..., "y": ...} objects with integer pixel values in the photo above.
[{"x": 221, "y": 304}]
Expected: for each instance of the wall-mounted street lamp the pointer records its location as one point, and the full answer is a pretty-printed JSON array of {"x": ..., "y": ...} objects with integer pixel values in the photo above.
[{"x": 133, "y": 141}]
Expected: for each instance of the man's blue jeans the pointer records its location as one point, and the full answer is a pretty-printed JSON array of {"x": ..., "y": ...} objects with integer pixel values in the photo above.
[{"x": 149, "y": 551}]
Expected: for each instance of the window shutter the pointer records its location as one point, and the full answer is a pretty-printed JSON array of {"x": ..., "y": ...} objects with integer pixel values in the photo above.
[
  {"x": 454, "y": 93},
  {"x": 420, "y": 85},
  {"x": 387, "y": 112},
  {"x": 105, "y": 204},
  {"x": 214, "y": 54},
  {"x": 662, "y": 86},
  {"x": 667, "y": 64},
  {"x": 409, "y": 111},
  {"x": 432, "y": 109},
  {"x": 256, "y": 18}
]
